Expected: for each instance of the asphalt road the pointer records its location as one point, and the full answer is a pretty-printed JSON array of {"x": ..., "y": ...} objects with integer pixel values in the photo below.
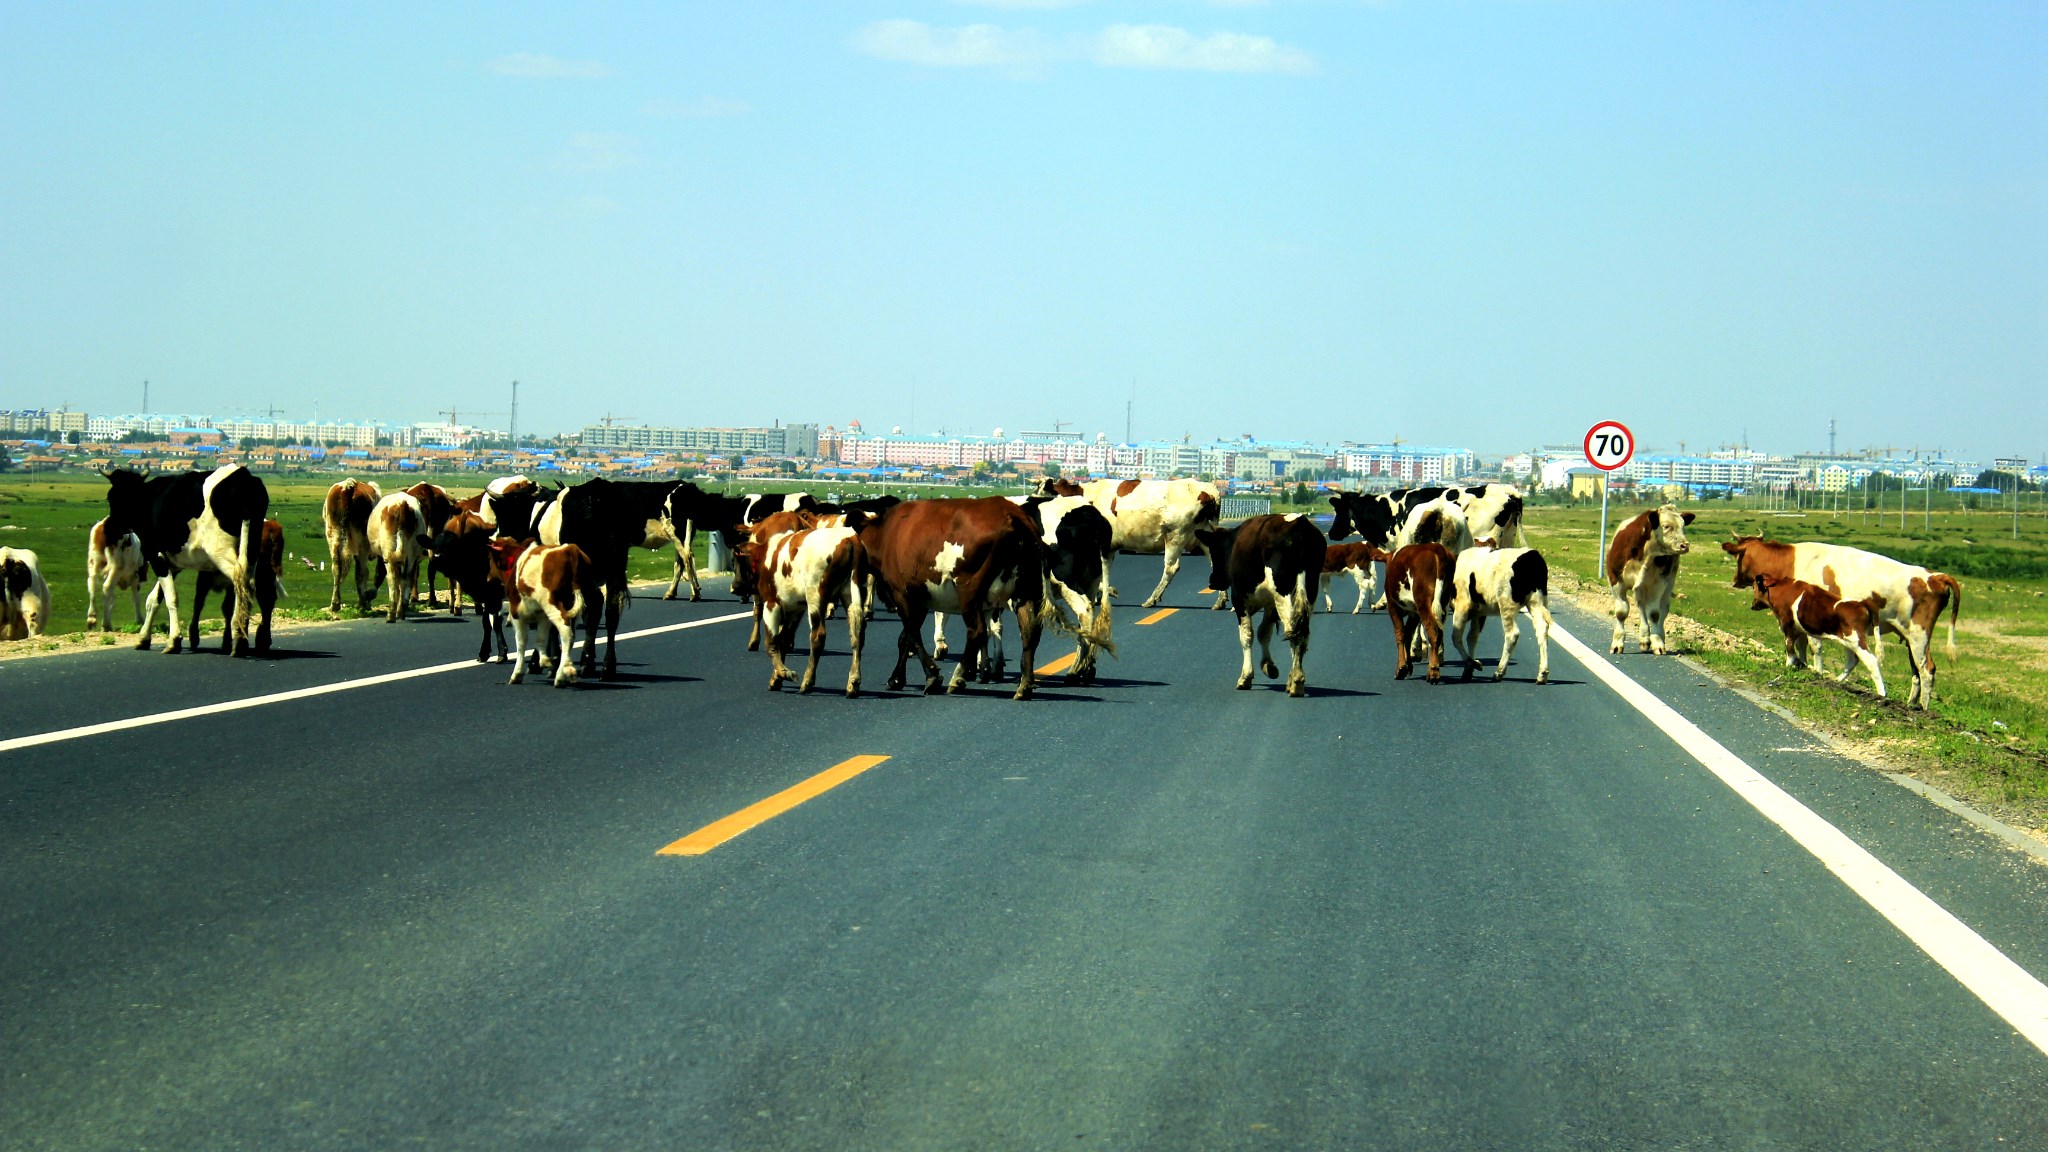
[{"x": 1152, "y": 914}]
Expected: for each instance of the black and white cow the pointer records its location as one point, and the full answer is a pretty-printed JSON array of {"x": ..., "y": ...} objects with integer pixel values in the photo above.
[
  {"x": 211, "y": 520},
  {"x": 1503, "y": 582},
  {"x": 1272, "y": 564},
  {"x": 607, "y": 519}
]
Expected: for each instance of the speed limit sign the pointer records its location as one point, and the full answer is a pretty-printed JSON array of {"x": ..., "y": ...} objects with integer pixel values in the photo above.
[{"x": 1609, "y": 445}]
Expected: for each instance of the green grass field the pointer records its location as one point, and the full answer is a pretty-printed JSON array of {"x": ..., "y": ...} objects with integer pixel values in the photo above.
[{"x": 1987, "y": 737}]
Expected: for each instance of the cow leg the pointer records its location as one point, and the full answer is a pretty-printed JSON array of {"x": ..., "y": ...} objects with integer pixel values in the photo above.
[
  {"x": 778, "y": 637},
  {"x": 1654, "y": 612},
  {"x": 1173, "y": 547},
  {"x": 519, "y": 646},
  {"x": 1539, "y": 618},
  {"x": 1867, "y": 653},
  {"x": 202, "y": 584},
  {"x": 92, "y": 593},
  {"x": 992, "y": 658},
  {"x": 498, "y": 630},
  {"x": 1510, "y": 632},
  {"x": 977, "y": 645},
  {"x": 939, "y": 648},
  {"x": 565, "y": 634},
  {"x": 148, "y": 624},
  {"x": 856, "y": 632},
  {"x": 1620, "y": 613},
  {"x": 169, "y": 587},
  {"x": 335, "y": 563},
  {"x": 1364, "y": 580},
  {"x": 1245, "y": 631},
  {"x": 817, "y": 646},
  {"x": 754, "y": 633},
  {"x": 675, "y": 582},
  {"x": 1295, "y": 610},
  {"x": 1267, "y": 620},
  {"x": 1404, "y": 661},
  {"x": 1465, "y": 627},
  {"x": 614, "y": 603},
  {"x": 483, "y": 648},
  {"x": 1028, "y": 630},
  {"x": 1324, "y": 587},
  {"x": 1433, "y": 639}
]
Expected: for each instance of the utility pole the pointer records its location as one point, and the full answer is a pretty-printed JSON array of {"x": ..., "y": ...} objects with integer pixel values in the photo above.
[
  {"x": 1831, "y": 436},
  {"x": 513, "y": 432},
  {"x": 145, "y": 397}
]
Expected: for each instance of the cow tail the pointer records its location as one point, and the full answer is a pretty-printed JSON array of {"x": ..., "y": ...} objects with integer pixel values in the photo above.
[{"x": 1947, "y": 583}]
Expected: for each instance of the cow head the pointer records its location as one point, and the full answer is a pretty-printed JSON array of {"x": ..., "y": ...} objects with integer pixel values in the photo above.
[
  {"x": 1372, "y": 517},
  {"x": 127, "y": 501},
  {"x": 1667, "y": 531},
  {"x": 1217, "y": 542},
  {"x": 1056, "y": 486}
]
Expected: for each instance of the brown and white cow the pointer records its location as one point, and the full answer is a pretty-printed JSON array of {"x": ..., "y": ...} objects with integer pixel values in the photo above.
[
  {"x": 346, "y": 515},
  {"x": 267, "y": 581},
  {"x": 1642, "y": 569},
  {"x": 24, "y": 597},
  {"x": 113, "y": 562},
  {"x": 1353, "y": 560},
  {"x": 1909, "y": 599},
  {"x": 398, "y": 539},
  {"x": 1806, "y": 613},
  {"x": 1420, "y": 589},
  {"x": 971, "y": 557},
  {"x": 1078, "y": 551},
  {"x": 1503, "y": 582},
  {"x": 745, "y": 570},
  {"x": 1149, "y": 516},
  {"x": 802, "y": 571},
  {"x": 438, "y": 506},
  {"x": 507, "y": 506},
  {"x": 1269, "y": 564},
  {"x": 550, "y": 587}
]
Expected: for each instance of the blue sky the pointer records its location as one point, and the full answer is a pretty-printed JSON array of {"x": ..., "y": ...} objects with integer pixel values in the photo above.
[{"x": 1484, "y": 223}]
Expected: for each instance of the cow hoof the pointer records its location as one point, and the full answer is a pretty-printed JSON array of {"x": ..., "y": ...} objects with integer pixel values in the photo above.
[
  {"x": 142, "y": 645},
  {"x": 1298, "y": 690},
  {"x": 1022, "y": 693},
  {"x": 517, "y": 677},
  {"x": 1543, "y": 677},
  {"x": 775, "y": 683},
  {"x": 668, "y": 596},
  {"x": 934, "y": 686},
  {"x": 893, "y": 684},
  {"x": 1244, "y": 683},
  {"x": 804, "y": 689},
  {"x": 176, "y": 646},
  {"x": 1499, "y": 676},
  {"x": 1272, "y": 671},
  {"x": 1400, "y": 673},
  {"x": 853, "y": 691}
]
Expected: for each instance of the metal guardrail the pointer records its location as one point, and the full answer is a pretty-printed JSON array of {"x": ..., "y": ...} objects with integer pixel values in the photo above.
[{"x": 1240, "y": 507}]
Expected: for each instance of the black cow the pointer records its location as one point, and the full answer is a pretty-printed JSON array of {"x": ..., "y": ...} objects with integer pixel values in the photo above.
[
  {"x": 202, "y": 520},
  {"x": 1274, "y": 564},
  {"x": 607, "y": 519}
]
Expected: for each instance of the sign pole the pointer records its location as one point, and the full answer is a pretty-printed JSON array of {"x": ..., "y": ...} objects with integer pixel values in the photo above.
[{"x": 1600, "y": 545}]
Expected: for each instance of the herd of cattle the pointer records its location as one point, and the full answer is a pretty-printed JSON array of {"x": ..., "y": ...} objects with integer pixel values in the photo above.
[{"x": 553, "y": 559}]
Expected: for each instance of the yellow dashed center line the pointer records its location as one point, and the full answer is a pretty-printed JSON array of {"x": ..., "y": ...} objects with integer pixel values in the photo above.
[
  {"x": 1156, "y": 617},
  {"x": 1058, "y": 666},
  {"x": 718, "y": 832}
]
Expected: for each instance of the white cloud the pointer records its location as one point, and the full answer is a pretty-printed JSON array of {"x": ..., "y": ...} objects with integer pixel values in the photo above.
[
  {"x": 975, "y": 46},
  {"x": 532, "y": 66},
  {"x": 1148, "y": 46},
  {"x": 1164, "y": 46},
  {"x": 702, "y": 108},
  {"x": 598, "y": 152}
]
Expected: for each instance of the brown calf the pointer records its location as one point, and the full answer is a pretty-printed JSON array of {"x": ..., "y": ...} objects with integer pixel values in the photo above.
[
  {"x": 1808, "y": 612},
  {"x": 1419, "y": 592},
  {"x": 550, "y": 587},
  {"x": 346, "y": 514},
  {"x": 971, "y": 557}
]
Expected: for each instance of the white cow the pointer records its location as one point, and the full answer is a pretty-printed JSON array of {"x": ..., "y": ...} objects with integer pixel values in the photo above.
[
  {"x": 804, "y": 571},
  {"x": 1148, "y": 516},
  {"x": 398, "y": 539},
  {"x": 24, "y": 598},
  {"x": 112, "y": 563},
  {"x": 1491, "y": 581}
]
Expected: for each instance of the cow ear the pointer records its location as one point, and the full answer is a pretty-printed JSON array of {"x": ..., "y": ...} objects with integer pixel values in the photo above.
[{"x": 1687, "y": 517}]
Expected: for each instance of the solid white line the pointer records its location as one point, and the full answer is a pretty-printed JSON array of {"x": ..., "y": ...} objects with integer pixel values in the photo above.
[
  {"x": 2002, "y": 985},
  {"x": 302, "y": 693}
]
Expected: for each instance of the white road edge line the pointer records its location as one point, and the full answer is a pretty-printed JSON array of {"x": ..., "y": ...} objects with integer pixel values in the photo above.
[
  {"x": 64, "y": 734},
  {"x": 2003, "y": 986}
]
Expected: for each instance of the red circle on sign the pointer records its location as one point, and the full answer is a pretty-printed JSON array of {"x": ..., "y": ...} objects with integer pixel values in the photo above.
[{"x": 1627, "y": 435}]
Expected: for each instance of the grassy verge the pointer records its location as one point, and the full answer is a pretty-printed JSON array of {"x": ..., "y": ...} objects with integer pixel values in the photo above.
[{"x": 1986, "y": 739}]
